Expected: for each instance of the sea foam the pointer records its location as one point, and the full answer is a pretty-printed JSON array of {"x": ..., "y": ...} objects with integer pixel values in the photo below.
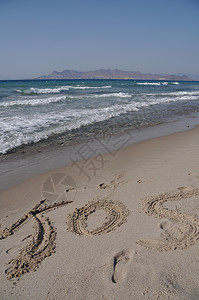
[
  {"x": 32, "y": 102},
  {"x": 157, "y": 83},
  {"x": 59, "y": 89},
  {"x": 23, "y": 130}
]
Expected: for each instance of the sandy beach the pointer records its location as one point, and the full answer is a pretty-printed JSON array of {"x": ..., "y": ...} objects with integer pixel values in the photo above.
[
  {"x": 99, "y": 150},
  {"x": 122, "y": 225}
]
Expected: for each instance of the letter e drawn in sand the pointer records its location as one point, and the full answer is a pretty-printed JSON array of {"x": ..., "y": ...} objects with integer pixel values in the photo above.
[
  {"x": 116, "y": 214},
  {"x": 42, "y": 243},
  {"x": 188, "y": 225}
]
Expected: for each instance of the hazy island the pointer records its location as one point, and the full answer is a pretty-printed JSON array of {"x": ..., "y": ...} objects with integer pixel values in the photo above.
[{"x": 111, "y": 74}]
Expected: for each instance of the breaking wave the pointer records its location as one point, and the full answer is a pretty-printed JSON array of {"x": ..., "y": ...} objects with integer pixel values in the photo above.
[
  {"x": 33, "y": 102},
  {"x": 59, "y": 89},
  {"x": 46, "y": 101},
  {"x": 157, "y": 83},
  {"x": 23, "y": 130}
]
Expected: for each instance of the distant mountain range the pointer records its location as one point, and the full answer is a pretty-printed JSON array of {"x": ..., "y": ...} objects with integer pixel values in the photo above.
[
  {"x": 192, "y": 76},
  {"x": 111, "y": 74}
]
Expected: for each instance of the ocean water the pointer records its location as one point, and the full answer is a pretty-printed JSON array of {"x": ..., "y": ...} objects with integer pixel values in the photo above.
[{"x": 54, "y": 112}]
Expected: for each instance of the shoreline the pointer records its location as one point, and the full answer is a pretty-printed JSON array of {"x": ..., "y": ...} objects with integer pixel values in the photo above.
[
  {"x": 111, "y": 260},
  {"x": 15, "y": 168}
]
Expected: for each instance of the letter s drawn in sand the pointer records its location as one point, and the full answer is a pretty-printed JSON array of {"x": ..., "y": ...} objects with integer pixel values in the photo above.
[{"x": 188, "y": 234}]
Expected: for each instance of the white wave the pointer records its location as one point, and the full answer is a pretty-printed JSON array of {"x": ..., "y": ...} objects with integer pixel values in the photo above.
[
  {"x": 80, "y": 87},
  {"x": 179, "y": 93},
  {"x": 187, "y": 98},
  {"x": 119, "y": 95},
  {"x": 149, "y": 83},
  {"x": 23, "y": 130},
  {"x": 169, "y": 99},
  {"x": 47, "y": 90},
  {"x": 59, "y": 89},
  {"x": 108, "y": 95},
  {"x": 45, "y": 101},
  {"x": 33, "y": 102},
  {"x": 157, "y": 83},
  {"x": 188, "y": 93}
]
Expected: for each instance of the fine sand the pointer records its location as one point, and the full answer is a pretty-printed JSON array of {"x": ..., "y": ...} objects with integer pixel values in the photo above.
[{"x": 124, "y": 225}]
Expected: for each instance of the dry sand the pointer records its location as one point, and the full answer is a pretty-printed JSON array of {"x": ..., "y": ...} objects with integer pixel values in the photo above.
[{"x": 130, "y": 231}]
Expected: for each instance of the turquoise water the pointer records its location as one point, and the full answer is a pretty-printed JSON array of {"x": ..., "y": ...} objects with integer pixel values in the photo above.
[{"x": 63, "y": 111}]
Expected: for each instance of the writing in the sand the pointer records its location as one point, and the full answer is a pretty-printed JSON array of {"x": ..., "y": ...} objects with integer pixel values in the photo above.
[{"x": 42, "y": 242}]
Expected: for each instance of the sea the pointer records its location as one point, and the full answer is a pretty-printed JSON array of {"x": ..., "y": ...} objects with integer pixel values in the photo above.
[{"x": 45, "y": 113}]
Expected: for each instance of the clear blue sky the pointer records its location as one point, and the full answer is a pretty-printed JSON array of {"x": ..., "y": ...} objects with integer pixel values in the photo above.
[{"x": 39, "y": 36}]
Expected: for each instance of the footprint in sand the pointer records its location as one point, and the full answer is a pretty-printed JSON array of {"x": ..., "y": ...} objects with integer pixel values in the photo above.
[
  {"x": 114, "y": 183},
  {"x": 121, "y": 263},
  {"x": 194, "y": 174}
]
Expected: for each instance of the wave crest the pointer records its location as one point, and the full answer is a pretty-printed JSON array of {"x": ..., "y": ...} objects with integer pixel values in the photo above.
[
  {"x": 157, "y": 83},
  {"x": 33, "y": 102},
  {"x": 59, "y": 89}
]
